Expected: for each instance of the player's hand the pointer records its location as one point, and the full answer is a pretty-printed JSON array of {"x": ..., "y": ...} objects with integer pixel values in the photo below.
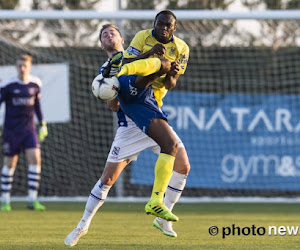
[
  {"x": 158, "y": 49},
  {"x": 43, "y": 131},
  {"x": 165, "y": 66},
  {"x": 174, "y": 68}
]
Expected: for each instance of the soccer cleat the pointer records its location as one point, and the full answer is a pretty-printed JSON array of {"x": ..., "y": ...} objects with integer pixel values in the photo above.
[
  {"x": 36, "y": 206},
  {"x": 159, "y": 209},
  {"x": 6, "y": 207},
  {"x": 114, "y": 65},
  {"x": 165, "y": 227},
  {"x": 74, "y": 236}
]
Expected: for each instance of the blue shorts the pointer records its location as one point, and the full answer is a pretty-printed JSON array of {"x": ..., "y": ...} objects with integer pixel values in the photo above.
[
  {"x": 13, "y": 142},
  {"x": 139, "y": 104}
]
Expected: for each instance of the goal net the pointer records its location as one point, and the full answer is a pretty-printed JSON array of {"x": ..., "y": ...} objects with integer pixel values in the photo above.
[{"x": 236, "y": 108}]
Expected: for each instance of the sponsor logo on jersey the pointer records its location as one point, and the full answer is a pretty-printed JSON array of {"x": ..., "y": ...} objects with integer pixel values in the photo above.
[
  {"x": 23, "y": 101},
  {"x": 183, "y": 59}
]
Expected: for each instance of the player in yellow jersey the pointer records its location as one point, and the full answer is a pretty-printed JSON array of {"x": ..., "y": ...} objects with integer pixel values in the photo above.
[{"x": 161, "y": 42}]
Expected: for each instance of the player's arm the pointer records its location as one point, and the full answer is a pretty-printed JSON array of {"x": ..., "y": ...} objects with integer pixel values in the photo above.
[
  {"x": 114, "y": 105},
  {"x": 146, "y": 81},
  {"x": 172, "y": 76},
  {"x": 157, "y": 49},
  {"x": 43, "y": 130}
]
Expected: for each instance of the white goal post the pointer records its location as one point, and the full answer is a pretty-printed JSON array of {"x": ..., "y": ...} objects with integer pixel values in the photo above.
[{"x": 149, "y": 14}]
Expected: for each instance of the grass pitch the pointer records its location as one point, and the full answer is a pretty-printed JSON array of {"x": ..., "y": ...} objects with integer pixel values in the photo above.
[{"x": 126, "y": 226}]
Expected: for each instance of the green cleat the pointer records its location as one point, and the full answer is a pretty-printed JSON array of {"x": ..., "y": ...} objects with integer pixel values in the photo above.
[
  {"x": 113, "y": 66},
  {"x": 159, "y": 209},
  {"x": 6, "y": 207},
  {"x": 36, "y": 206}
]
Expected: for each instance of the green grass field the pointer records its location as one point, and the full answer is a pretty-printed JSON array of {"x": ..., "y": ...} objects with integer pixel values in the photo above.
[{"x": 126, "y": 226}]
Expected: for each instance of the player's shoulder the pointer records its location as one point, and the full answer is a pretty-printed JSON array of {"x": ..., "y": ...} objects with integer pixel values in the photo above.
[
  {"x": 35, "y": 80},
  {"x": 142, "y": 34},
  {"x": 9, "y": 81},
  {"x": 181, "y": 45}
]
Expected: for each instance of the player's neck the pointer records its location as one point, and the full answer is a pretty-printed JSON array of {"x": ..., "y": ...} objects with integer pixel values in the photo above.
[
  {"x": 112, "y": 52},
  {"x": 23, "y": 78}
]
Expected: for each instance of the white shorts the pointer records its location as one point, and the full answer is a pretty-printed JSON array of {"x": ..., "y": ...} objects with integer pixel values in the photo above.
[{"x": 130, "y": 141}]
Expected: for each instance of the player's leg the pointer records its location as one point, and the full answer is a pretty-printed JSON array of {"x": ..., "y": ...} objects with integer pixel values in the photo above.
[
  {"x": 96, "y": 199},
  {"x": 7, "y": 175},
  {"x": 174, "y": 190},
  {"x": 160, "y": 131},
  {"x": 33, "y": 156}
]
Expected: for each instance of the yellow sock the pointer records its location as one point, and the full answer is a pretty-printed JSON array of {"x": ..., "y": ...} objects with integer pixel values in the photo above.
[
  {"x": 163, "y": 172},
  {"x": 143, "y": 67}
]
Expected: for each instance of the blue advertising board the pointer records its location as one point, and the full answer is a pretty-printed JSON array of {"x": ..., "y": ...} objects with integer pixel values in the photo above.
[{"x": 234, "y": 141}]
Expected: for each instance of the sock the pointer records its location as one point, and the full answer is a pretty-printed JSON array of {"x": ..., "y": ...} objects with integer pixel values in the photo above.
[
  {"x": 141, "y": 67},
  {"x": 7, "y": 177},
  {"x": 163, "y": 172},
  {"x": 34, "y": 175},
  {"x": 174, "y": 189},
  {"x": 94, "y": 202}
]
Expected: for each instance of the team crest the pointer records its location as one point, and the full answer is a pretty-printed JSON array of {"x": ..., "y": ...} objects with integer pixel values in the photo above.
[
  {"x": 172, "y": 51},
  {"x": 31, "y": 91},
  {"x": 115, "y": 150}
]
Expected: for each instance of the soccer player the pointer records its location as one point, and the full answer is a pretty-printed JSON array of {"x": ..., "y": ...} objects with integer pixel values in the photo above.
[
  {"x": 124, "y": 149},
  {"x": 161, "y": 42},
  {"x": 21, "y": 95}
]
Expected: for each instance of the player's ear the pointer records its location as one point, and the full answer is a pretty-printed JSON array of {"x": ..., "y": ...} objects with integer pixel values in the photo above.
[{"x": 122, "y": 41}]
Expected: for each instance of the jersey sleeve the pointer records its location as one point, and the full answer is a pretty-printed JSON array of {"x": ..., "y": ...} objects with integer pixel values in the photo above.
[
  {"x": 37, "y": 104},
  {"x": 136, "y": 46},
  {"x": 3, "y": 92},
  {"x": 183, "y": 59}
]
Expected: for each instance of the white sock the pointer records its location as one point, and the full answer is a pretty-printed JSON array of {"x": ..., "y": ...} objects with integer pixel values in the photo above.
[
  {"x": 174, "y": 189},
  {"x": 94, "y": 202},
  {"x": 7, "y": 177},
  {"x": 34, "y": 176}
]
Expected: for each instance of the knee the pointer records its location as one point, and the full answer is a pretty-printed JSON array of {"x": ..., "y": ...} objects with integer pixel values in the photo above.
[
  {"x": 183, "y": 168},
  {"x": 107, "y": 180}
]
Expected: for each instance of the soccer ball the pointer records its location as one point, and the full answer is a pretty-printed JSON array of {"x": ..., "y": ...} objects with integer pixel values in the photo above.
[{"x": 105, "y": 89}]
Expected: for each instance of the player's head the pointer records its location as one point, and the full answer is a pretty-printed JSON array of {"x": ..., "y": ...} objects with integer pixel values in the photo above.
[
  {"x": 165, "y": 24},
  {"x": 24, "y": 63},
  {"x": 111, "y": 38}
]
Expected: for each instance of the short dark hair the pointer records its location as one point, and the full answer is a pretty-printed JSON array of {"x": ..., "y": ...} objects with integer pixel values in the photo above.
[
  {"x": 25, "y": 57},
  {"x": 165, "y": 12},
  {"x": 108, "y": 25}
]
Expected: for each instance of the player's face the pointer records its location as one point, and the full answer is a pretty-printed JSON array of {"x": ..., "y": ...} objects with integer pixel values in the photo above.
[
  {"x": 23, "y": 68},
  {"x": 164, "y": 26},
  {"x": 111, "y": 40}
]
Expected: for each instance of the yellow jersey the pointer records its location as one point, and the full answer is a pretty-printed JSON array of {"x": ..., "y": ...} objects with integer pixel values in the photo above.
[{"x": 176, "y": 49}]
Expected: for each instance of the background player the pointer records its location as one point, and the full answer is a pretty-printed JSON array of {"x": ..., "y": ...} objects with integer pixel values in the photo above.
[
  {"x": 21, "y": 95},
  {"x": 161, "y": 42}
]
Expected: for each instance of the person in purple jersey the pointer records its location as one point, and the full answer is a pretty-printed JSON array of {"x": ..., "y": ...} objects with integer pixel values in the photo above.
[{"x": 21, "y": 95}]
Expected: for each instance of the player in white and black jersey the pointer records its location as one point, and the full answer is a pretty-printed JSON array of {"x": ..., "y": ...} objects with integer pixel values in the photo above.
[{"x": 21, "y": 95}]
